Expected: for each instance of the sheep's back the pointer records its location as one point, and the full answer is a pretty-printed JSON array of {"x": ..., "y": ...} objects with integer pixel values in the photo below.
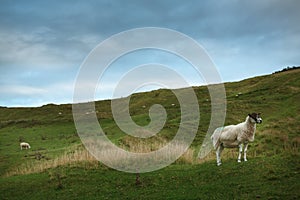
[{"x": 229, "y": 133}]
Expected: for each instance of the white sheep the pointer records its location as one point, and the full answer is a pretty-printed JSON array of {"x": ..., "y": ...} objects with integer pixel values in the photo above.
[
  {"x": 24, "y": 145},
  {"x": 236, "y": 136}
]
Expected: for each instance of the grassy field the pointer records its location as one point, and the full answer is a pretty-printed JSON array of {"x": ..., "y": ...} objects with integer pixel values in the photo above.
[
  {"x": 266, "y": 178},
  {"x": 58, "y": 167}
]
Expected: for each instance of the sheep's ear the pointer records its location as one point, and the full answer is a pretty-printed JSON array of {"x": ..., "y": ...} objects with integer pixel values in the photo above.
[
  {"x": 249, "y": 115},
  {"x": 259, "y": 113}
]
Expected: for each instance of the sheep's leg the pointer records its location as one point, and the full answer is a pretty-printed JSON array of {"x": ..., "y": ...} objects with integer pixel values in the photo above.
[
  {"x": 245, "y": 151},
  {"x": 240, "y": 152},
  {"x": 218, "y": 153}
]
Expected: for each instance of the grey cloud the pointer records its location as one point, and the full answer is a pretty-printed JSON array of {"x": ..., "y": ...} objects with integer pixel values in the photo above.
[{"x": 42, "y": 42}]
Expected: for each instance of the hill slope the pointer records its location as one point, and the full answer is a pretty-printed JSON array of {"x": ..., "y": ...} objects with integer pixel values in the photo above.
[{"x": 51, "y": 132}]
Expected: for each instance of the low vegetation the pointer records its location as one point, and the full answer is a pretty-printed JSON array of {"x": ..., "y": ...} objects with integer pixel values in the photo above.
[{"x": 58, "y": 166}]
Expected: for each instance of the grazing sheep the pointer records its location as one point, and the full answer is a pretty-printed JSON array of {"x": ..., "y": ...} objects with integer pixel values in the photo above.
[
  {"x": 24, "y": 145},
  {"x": 236, "y": 136}
]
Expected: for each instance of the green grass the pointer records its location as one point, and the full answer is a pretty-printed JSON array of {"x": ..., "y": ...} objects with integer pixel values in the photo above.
[
  {"x": 48, "y": 140},
  {"x": 272, "y": 171},
  {"x": 265, "y": 178}
]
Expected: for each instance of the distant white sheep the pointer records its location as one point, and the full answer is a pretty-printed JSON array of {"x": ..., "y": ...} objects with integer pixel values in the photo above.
[
  {"x": 24, "y": 145},
  {"x": 236, "y": 136}
]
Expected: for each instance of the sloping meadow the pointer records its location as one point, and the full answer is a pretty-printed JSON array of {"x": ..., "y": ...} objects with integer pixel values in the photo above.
[{"x": 54, "y": 140}]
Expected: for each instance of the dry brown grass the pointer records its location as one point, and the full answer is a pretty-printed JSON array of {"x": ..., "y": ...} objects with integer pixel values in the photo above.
[
  {"x": 138, "y": 145},
  {"x": 79, "y": 156},
  {"x": 144, "y": 146},
  {"x": 76, "y": 157}
]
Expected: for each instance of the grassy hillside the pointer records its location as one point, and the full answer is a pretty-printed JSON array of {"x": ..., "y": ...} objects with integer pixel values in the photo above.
[
  {"x": 58, "y": 166},
  {"x": 261, "y": 178}
]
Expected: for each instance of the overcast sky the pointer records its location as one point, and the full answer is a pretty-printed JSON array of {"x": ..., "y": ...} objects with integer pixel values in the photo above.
[{"x": 44, "y": 43}]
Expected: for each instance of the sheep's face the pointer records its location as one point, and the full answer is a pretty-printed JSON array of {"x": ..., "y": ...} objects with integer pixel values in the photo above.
[{"x": 255, "y": 118}]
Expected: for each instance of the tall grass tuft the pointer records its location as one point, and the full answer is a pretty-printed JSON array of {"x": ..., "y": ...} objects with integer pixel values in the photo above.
[{"x": 78, "y": 157}]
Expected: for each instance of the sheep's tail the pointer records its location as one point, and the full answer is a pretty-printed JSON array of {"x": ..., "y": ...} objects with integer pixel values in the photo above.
[
  {"x": 216, "y": 137},
  {"x": 206, "y": 146}
]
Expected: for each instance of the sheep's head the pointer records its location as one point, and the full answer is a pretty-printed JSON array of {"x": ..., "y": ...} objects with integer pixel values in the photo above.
[{"x": 255, "y": 117}]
